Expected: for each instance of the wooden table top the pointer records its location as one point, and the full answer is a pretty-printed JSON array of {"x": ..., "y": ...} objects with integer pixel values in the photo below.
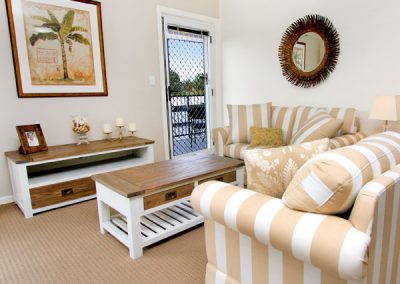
[
  {"x": 70, "y": 150},
  {"x": 152, "y": 177}
]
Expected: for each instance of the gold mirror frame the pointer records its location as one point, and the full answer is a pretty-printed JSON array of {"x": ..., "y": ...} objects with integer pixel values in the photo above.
[{"x": 325, "y": 29}]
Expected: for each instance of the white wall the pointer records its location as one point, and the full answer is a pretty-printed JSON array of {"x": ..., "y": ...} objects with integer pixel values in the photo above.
[
  {"x": 368, "y": 64},
  {"x": 131, "y": 49}
]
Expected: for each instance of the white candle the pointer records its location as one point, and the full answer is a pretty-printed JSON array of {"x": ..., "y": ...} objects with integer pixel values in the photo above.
[
  {"x": 132, "y": 127},
  {"x": 119, "y": 121},
  {"x": 107, "y": 128}
]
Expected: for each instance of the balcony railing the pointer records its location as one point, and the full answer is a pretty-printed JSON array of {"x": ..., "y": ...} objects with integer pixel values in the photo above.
[{"x": 189, "y": 124}]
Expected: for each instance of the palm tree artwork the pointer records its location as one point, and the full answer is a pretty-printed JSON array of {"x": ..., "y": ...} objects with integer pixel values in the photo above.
[{"x": 65, "y": 33}]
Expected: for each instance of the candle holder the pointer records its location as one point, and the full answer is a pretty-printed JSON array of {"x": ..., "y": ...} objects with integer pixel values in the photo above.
[
  {"x": 121, "y": 132},
  {"x": 108, "y": 136}
]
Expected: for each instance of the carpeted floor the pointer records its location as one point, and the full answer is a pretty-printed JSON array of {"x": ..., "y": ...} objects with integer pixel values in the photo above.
[{"x": 65, "y": 246}]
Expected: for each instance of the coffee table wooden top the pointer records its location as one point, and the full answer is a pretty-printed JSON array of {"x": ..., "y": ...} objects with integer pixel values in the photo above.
[{"x": 152, "y": 177}]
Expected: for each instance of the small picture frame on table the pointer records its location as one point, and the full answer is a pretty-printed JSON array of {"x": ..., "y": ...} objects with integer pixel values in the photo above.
[{"x": 31, "y": 138}]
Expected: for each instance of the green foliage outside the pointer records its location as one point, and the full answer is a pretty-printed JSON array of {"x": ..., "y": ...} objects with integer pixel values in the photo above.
[
  {"x": 65, "y": 33},
  {"x": 194, "y": 87}
]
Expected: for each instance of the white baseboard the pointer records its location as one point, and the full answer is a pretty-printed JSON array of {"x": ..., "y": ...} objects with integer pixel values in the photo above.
[{"x": 6, "y": 199}]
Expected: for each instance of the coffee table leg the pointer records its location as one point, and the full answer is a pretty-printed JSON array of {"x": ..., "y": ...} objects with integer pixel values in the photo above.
[
  {"x": 104, "y": 214},
  {"x": 134, "y": 233},
  {"x": 240, "y": 176}
]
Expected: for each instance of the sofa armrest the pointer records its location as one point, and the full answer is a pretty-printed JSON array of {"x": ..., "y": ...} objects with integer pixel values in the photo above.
[
  {"x": 220, "y": 137},
  {"x": 345, "y": 140},
  {"x": 376, "y": 211},
  {"x": 328, "y": 242}
]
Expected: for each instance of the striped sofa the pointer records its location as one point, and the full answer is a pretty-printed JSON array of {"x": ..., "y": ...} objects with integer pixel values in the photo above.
[
  {"x": 255, "y": 238},
  {"x": 290, "y": 121}
]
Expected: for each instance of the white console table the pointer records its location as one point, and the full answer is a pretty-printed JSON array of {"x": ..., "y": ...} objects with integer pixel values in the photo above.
[{"x": 62, "y": 175}]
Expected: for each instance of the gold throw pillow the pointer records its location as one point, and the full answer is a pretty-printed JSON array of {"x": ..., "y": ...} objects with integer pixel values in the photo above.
[
  {"x": 270, "y": 171},
  {"x": 266, "y": 137}
]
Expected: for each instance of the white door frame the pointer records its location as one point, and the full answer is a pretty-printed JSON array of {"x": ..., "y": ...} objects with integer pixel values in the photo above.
[{"x": 191, "y": 20}]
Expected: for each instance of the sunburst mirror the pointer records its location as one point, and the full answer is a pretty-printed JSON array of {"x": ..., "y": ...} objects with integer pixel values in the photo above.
[{"x": 309, "y": 51}]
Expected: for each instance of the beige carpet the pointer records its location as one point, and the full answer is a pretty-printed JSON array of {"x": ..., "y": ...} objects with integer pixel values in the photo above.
[{"x": 65, "y": 246}]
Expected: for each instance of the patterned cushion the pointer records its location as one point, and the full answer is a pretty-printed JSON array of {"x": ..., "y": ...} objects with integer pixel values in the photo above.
[
  {"x": 320, "y": 125},
  {"x": 270, "y": 171},
  {"x": 330, "y": 182},
  {"x": 283, "y": 118},
  {"x": 266, "y": 136},
  {"x": 242, "y": 117}
]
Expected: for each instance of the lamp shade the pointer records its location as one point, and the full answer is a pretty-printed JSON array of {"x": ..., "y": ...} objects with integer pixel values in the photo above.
[{"x": 386, "y": 108}]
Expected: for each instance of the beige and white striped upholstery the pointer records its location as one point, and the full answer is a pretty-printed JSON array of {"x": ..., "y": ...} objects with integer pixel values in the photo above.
[
  {"x": 254, "y": 238},
  {"x": 283, "y": 118},
  {"x": 220, "y": 137},
  {"x": 320, "y": 125},
  {"x": 303, "y": 114},
  {"x": 377, "y": 212},
  {"x": 236, "y": 150},
  {"x": 349, "y": 116},
  {"x": 345, "y": 140},
  {"x": 242, "y": 117},
  {"x": 330, "y": 182}
]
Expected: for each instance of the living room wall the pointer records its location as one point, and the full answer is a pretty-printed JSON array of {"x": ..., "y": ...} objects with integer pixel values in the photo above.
[
  {"x": 368, "y": 62},
  {"x": 131, "y": 50}
]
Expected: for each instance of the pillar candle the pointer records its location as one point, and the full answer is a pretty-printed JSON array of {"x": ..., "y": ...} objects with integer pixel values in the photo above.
[
  {"x": 119, "y": 121},
  {"x": 107, "y": 128},
  {"x": 132, "y": 127}
]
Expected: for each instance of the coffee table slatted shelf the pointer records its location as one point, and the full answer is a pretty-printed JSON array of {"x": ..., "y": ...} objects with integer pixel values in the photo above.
[
  {"x": 151, "y": 209},
  {"x": 155, "y": 226}
]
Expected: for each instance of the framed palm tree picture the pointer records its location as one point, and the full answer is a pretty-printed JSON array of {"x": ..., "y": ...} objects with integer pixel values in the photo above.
[{"x": 57, "y": 48}]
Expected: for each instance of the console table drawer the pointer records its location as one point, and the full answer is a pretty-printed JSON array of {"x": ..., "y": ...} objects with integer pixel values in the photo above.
[
  {"x": 61, "y": 192},
  {"x": 227, "y": 177},
  {"x": 172, "y": 194}
]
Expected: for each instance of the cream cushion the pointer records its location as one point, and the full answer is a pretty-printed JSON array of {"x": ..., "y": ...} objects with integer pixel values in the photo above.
[
  {"x": 269, "y": 171},
  {"x": 330, "y": 182},
  {"x": 242, "y": 117},
  {"x": 320, "y": 125}
]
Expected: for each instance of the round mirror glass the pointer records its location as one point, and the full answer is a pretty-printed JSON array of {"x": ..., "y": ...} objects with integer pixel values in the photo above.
[{"x": 308, "y": 52}]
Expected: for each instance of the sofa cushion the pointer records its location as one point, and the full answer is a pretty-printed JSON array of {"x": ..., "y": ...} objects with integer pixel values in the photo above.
[
  {"x": 242, "y": 117},
  {"x": 236, "y": 150},
  {"x": 269, "y": 171},
  {"x": 321, "y": 125},
  {"x": 330, "y": 182},
  {"x": 349, "y": 116},
  {"x": 346, "y": 140},
  {"x": 303, "y": 114},
  {"x": 265, "y": 136},
  {"x": 283, "y": 118}
]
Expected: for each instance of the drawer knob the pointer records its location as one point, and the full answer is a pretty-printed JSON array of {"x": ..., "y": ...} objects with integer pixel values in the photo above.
[
  {"x": 170, "y": 195},
  {"x": 67, "y": 191}
]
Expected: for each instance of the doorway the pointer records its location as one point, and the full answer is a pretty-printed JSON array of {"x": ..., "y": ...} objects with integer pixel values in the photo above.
[{"x": 188, "y": 87}]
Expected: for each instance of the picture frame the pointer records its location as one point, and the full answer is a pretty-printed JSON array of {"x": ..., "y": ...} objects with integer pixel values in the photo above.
[
  {"x": 299, "y": 55},
  {"x": 31, "y": 138},
  {"x": 57, "y": 48}
]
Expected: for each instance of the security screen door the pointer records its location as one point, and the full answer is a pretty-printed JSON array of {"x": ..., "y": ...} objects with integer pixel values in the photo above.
[{"x": 187, "y": 80}]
